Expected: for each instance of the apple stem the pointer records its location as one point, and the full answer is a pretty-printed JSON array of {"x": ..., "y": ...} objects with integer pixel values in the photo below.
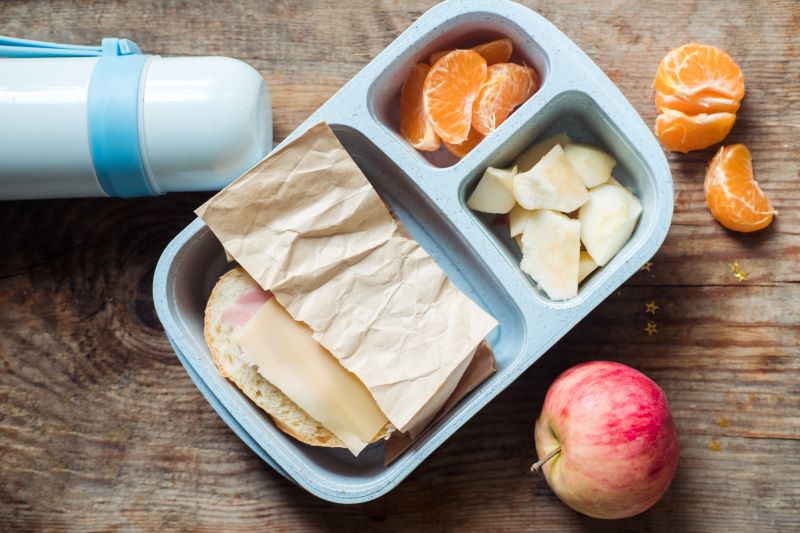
[{"x": 538, "y": 464}]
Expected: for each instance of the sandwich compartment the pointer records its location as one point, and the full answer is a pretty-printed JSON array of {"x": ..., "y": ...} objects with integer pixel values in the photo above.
[{"x": 428, "y": 195}]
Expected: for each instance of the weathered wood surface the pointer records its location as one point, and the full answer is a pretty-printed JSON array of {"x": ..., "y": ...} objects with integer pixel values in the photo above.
[{"x": 101, "y": 428}]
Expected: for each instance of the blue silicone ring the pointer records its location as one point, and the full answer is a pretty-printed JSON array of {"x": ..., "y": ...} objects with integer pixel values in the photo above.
[
  {"x": 113, "y": 108},
  {"x": 113, "y": 117}
]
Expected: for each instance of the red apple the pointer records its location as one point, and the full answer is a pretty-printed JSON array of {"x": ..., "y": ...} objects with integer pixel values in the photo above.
[{"x": 618, "y": 445}]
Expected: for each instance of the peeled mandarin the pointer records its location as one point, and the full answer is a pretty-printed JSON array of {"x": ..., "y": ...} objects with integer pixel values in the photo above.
[
  {"x": 696, "y": 78},
  {"x": 732, "y": 194},
  {"x": 498, "y": 51},
  {"x": 451, "y": 87},
  {"x": 507, "y": 86},
  {"x": 679, "y": 132},
  {"x": 414, "y": 125}
]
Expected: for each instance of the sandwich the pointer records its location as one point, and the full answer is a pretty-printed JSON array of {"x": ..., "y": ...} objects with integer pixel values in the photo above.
[
  {"x": 336, "y": 322},
  {"x": 234, "y": 301}
]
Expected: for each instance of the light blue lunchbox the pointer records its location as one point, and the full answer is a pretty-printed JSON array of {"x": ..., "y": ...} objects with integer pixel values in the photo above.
[{"x": 428, "y": 195}]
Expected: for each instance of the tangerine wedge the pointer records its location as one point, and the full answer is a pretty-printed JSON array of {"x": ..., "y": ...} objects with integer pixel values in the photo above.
[
  {"x": 697, "y": 78},
  {"x": 450, "y": 89},
  {"x": 732, "y": 195},
  {"x": 679, "y": 132},
  {"x": 507, "y": 86},
  {"x": 498, "y": 51},
  {"x": 460, "y": 150},
  {"x": 414, "y": 125}
]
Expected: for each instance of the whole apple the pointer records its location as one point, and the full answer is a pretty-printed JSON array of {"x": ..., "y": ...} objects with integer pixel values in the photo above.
[{"x": 618, "y": 445}]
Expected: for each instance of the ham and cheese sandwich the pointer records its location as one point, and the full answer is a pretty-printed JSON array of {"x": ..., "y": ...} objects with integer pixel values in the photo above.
[
  {"x": 362, "y": 329},
  {"x": 269, "y": 356}
]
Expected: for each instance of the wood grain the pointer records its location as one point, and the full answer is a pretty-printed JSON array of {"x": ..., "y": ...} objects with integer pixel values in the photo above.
[{"x": 101, "y": 428}]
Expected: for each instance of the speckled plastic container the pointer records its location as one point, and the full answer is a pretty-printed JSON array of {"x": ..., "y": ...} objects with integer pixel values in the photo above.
[{"x": 427, "y": 193}]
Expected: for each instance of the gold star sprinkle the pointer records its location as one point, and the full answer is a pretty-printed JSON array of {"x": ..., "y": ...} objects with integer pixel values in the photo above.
[
  {"x": 651, "y": 307},
  {"x": 651, "y": 328},
  {"x": 714, "y": 445},
  {"x": 722, "y": 422},
  {"x": 738, "y": 271},
  {"x": 647, "y": 266}
]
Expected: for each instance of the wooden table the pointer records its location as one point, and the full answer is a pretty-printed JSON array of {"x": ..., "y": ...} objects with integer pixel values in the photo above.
[{"x": 100, "y": 426}]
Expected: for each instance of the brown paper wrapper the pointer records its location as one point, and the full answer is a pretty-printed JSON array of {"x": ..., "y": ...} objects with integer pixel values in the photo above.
[
  {"x": 480, "y": 368},
  {"x": 307, "y": 225}
]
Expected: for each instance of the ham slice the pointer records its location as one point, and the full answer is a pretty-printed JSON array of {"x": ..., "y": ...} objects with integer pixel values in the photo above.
[{"x": 245, "y": 306}]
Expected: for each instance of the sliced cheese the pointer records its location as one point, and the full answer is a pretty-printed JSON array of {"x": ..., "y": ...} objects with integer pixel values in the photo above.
[{"x": 286, "y": 354}]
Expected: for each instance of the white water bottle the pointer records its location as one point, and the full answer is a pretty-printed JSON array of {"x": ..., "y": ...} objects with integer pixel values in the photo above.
[{"x": 108, "y": 121}]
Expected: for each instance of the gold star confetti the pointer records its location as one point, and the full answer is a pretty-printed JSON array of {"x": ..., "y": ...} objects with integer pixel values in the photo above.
[
  {"x": 647, "y": 266},
  {"x": 738, "y": 271},
  {"x": 722, "y": 422},
  {"x": 714, "y": 445},
  {"x": 651, "y": 328},
  {"x": 651, "y": 307}
]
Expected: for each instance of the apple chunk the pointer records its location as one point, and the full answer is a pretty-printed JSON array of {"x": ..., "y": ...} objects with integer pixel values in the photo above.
[
  {"x": 517, "y": 220},
  {"x": 591, "y": 164},
  {"x": 551, "y": 249},
  {"x": 527, "y": 159},
  {"x": 586, "y": 265},
  {"x": 551, "y": 184},
  {"x": 607, "y": 221},
  {"x": 495, "y": 191}
]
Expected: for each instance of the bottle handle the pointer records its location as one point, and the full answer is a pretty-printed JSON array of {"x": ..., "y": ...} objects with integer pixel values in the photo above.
[{"x": 24, "y": 48}]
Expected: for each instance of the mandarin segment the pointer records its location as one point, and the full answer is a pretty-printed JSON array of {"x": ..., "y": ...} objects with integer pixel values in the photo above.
[
  {"x": 461, "y": 150},
  {"x": 494, "y": 52},
  {"x": 450, "y": 89},
  {"x": 414, "y": 125},
  {"x": 498, "y": 51},
  {"x": 679, "y": 132},
  {"x": 507, "y": 86},
  {"x": 696, "y": 78},
  {"x": 436, "y": 56},
  {"x": 732, "y": 194}
]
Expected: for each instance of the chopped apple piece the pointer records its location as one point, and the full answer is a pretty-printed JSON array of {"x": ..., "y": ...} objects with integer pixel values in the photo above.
[
  {"x": 527, "y": 159},
  {"x": 591, "y": 164},
  {"x": 551, "y": 248},
  {"x": 607, "y": 221},
  {"x": 586, "y": 265},
  {"x": 495, "y": 191},
  {"x": 518, "y": 240},
  {"x": 517, "y": 220},
  {"x": 551, "y": 184}
]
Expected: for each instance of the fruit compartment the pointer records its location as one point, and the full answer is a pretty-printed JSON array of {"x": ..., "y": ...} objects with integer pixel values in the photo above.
[
  {"x": 578, "y": 115},
  {"x": 462, "y": 31}
]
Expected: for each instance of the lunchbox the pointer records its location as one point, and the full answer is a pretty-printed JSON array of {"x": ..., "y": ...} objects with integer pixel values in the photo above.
[{"x": 428, "y": 195}]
